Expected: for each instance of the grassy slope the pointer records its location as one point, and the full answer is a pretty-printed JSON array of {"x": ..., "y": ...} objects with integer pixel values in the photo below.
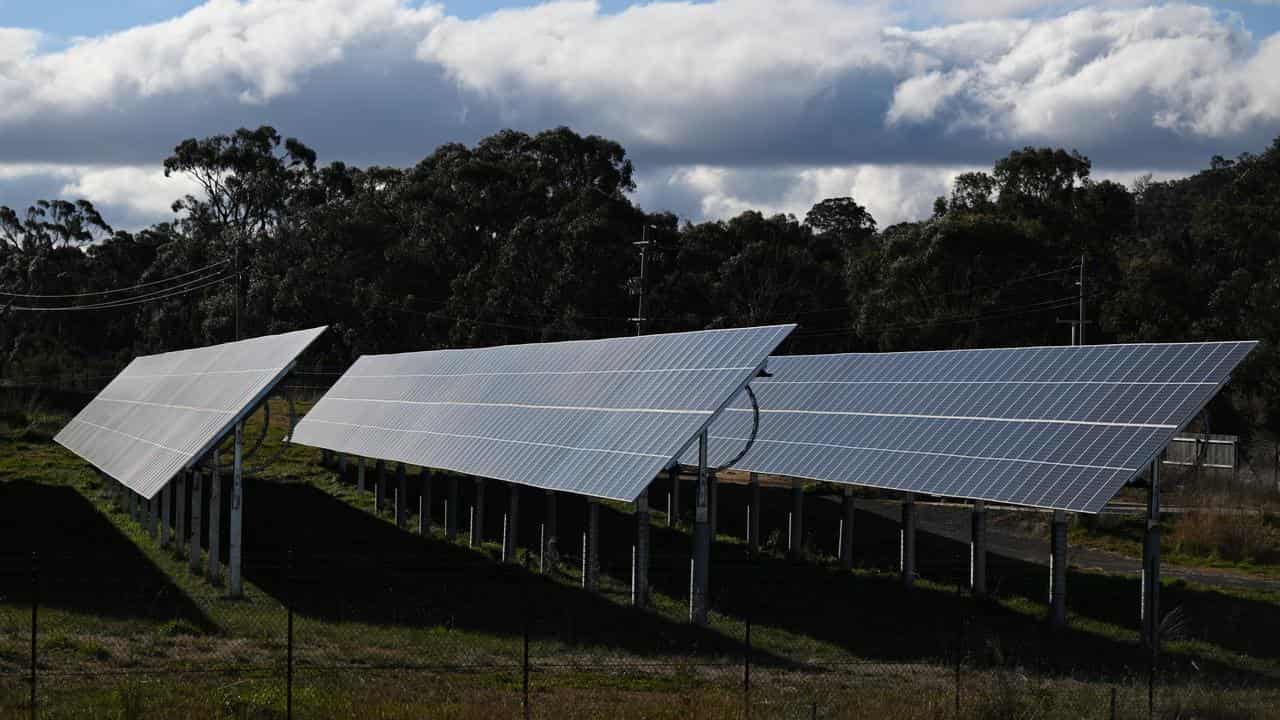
[{"x": 812, "y": 614}]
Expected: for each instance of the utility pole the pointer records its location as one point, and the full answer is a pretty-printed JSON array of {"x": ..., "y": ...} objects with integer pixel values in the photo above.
[
  {"x": 638, "y": 286},
  {"x": 235, "y": 278},
  {"x": 1077, "y": 325}
]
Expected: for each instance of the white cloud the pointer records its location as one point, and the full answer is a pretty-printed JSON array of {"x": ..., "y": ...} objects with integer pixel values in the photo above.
[{"x": 130, "y": 197}]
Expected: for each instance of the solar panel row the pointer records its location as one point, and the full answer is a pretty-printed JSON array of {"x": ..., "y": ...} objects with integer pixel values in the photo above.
[
  {"x": 1053, "y": 427},
  {"x": 164, "y": 412},
  {"x": 594, "y": 417}
]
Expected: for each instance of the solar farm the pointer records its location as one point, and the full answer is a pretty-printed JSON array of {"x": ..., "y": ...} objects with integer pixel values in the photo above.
[{"x": 670, "y": 525}]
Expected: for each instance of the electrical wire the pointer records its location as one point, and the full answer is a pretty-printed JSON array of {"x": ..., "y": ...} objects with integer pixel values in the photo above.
[
  {"x": 163, "y": 294},
  {"x": 114, "y": 290}
]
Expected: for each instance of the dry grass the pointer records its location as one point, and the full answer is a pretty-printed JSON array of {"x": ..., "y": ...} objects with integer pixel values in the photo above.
[{"x": 1244, "y": 537}]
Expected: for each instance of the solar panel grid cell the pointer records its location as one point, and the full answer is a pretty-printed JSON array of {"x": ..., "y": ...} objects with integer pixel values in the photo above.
[
  {"x": 162, "y": 412},
  {"x": 597, "y": 417},
  {"x": 1057, "y": 427}
]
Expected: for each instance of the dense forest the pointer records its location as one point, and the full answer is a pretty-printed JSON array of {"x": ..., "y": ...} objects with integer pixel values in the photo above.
[{"x": 526, "y": 238}]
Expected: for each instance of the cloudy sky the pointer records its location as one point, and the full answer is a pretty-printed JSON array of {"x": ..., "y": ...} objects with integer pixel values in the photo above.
[{"x": 723, "y": 105}]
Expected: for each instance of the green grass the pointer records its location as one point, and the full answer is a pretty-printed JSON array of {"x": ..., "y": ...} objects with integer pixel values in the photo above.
[{"x": 156, "y": 641}]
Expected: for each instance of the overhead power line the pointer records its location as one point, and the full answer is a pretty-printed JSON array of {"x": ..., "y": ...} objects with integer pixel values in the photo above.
[
  {"x": 162, "y": 294},
  {"x": 113, "y": 291}
]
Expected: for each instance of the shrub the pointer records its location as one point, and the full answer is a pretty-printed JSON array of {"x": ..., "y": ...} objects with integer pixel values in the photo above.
[{"x": 1231, "y": 536}]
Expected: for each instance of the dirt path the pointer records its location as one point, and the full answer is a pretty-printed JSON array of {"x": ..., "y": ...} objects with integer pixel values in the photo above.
[{"x": 952, "y": 522}]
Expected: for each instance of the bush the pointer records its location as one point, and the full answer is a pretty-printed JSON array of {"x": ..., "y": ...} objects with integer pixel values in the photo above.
[{"x": 1231, "y": 536}]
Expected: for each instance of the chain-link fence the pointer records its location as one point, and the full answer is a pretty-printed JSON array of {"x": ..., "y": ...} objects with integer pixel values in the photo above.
[{"x": 346, "y": 636}]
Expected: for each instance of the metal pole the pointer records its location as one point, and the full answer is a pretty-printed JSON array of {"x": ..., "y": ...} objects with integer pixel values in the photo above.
[
  {"x": 713, "y": 486},
  {"x": 477, "y": 520},
  {"x": 797, "y": 520},
  {"x": 698, "y": 597},
  {"x": 673, "y": 517},
  {"x": 753, "y": 519},
  {"x": 549, "y": 528},
  {"x": 379, "y": 486},
  {"x": 424, "y": 503},
  {"x": 180, "y": 513},
  {"x": 237, "y": 513},
  {"x": 451, "y": 509},
  {"x": 978, "y": 549},
  {"x": 197, "y": 501},
  {"x": 846, "y": 528},
  {"x": 1058, "y": 570},
  {"x": 510, "y": 540},
  {"x": 907, "y": 541},
  {"x": 1151, "y": 564},
  {"x": 360, "y": 474},
  {"x": 1080, "y": 333},
  {"x": 214, "y": 567},
  {"x": 591, "y": 546},
  {"x": 640, "y": 589},
  {"x": 165, "y": 515},
  {"x": 401, "y": 500}
]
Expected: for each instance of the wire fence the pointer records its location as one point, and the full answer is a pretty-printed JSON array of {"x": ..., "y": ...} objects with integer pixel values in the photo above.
[{"x": 405, "y": 639}]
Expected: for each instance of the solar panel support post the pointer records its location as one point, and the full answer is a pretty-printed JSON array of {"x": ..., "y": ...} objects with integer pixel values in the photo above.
[
  {"x": 360, "y": 474},
  {"x": 180, "y": 511},
  {"x": 978, "y": 549},
  {"x": 153, "y": 517},
  {"x": 907, "y": 541},
  {"x": 214, "y": 566},
  {"x": 1151, "y": 563},
  {"x": 1058, "y": 570},
  {"x": 197, "y": 518},
  {"x": 451, "y": 509},
  {"x": 700, "y": 580},
  {"x": 379, "y": 486},
  {"x": 401, "y": 498},
  {"x": 796, "y": 547},
  {"x": 713, "y": 487},
  {"x": 640, "y": 574},
  {"x": 165, "y": 514},
  {"x": 511, "y": 526},
  {"x": 753, "y": 516},
  {"x": 549, "y": 532},
  {"x": 342, "y": 467},
  {"x": 846, "y": 528},
  {"x": 673, "y": 512},
  {"x": 477, "y": 514},
  {"x": 591, "y": 547},
  {"x": 236, "y": 549},
  {"x": 424, "y": 503}
]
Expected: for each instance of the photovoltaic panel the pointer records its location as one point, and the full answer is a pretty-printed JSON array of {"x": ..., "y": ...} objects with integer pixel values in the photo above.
[
  {"x": 594, "y": 417},
  {"x": 1052, "y": 427},
  {"x": 164, "y": 412}
]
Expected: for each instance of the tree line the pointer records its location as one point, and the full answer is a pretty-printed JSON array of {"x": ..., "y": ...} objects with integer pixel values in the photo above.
[{"x": 526, "y": 238}]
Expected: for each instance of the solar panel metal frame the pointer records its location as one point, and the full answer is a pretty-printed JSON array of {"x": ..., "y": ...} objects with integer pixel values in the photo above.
[
  {"x": 761, "y": 459},
  {"x": 757, "y": 344},
  {"x": 151, "y": 489}
]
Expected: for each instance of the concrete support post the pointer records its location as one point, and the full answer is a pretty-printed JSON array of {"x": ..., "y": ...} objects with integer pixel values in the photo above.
[
  {"x": 451, "y": 510},
  {"x": 180, "y": 511},
  {"x": 700, "y": 578},
  {"x": 550, "y": 545},
  {"x": 360, "y": 474},
  {"x": 796, "y": 548},
  {"x": 978, "y": 549},
  {"x": 907, "y": 541},
  {"x": 197, "y": 500},
  {"x": 401, "y": 498},
  {"x": 640, "y": 573},
  {"x": 1058, "y": 570},
  {"x": 424, "y": 503},
  {"x": 591, "y": 547},
  {"x": 673, "y": 514},
  {"x": 512, "y": 526},
  {"x": 166, "y": 516},
  {"x": 846, "y": 528},
  {"x": 236, "y": 549},
  {"x": 214, "y": 566},
  {"x": 477, "y": 519},
  {"x": 1151, "y": 563},
  {"x": 379, "y": 486},
  {"x": 753, "y": 516}
]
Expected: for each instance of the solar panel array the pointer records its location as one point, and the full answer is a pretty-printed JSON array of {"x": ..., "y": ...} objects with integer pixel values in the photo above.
[
  {"x": 1051, "y": 427},
  {"x": 163, "y": 412},
  {"x": 594, "y": 417}
]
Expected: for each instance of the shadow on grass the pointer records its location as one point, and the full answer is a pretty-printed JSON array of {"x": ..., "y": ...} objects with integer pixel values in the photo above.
[{"x": 85, "y": 564}]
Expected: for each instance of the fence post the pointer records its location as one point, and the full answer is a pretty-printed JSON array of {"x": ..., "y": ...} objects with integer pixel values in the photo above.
[
  {"x": 288, "y": 603},
  {"x": 35, "y": 605}
]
